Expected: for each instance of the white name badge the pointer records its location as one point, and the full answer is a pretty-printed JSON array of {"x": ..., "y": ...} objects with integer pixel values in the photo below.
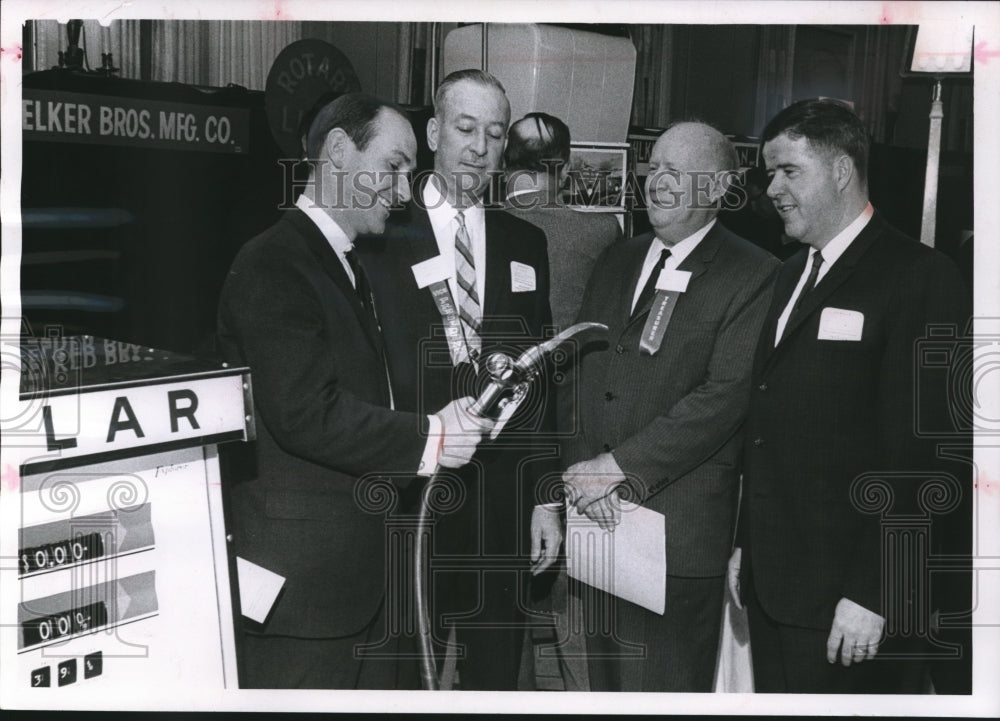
[
  {"x": 522, "y": 277},
  {"x": 431, "y": 271},
  {"x": 675, "y": 280},
  {"x": 840, "y": 324}
]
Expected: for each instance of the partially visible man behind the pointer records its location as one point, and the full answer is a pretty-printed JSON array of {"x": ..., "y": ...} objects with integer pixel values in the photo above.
[
  {"x": 536, "y": 164},
  {"x": 661, "y": 409},
  {"x": 832, "y": 429},
  {"x": 297, "y": 309}
]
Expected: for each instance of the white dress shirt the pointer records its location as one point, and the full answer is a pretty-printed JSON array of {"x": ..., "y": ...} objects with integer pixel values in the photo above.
[
  {"x": 831, "y": 253},
  {"x": 678, "y": 252},
  {"x": 341, "y": 244},
  {"x": 333, "y": 233}
]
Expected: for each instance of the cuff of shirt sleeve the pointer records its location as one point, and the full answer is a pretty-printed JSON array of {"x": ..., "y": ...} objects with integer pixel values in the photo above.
[{"x": 428, "y": 461}]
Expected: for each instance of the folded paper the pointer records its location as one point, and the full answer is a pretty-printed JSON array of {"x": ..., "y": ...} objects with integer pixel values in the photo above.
[{"x": 629, "y": 562}]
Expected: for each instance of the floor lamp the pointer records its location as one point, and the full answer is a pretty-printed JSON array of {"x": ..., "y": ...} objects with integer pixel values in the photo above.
[{"x": 936, "y": 51}]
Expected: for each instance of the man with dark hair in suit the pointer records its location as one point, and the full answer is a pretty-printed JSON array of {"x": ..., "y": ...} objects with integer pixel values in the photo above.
[
  {"x": 297, "y": 309},
  {"x": 832, "y": 423},
  {"x": 661, "y": 408},
  {"x": 536, "y": 165},
  {"x": 481, "y": 276}
]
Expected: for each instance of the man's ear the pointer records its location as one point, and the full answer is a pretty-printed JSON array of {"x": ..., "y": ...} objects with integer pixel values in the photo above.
[
  {"x": 335, "y": 147},
  {"x": 843, "y": 171},
  {"x": 719, "y": 185},
  {"x": 432, "y": 134},
  {"x": 563, "y": 174}
]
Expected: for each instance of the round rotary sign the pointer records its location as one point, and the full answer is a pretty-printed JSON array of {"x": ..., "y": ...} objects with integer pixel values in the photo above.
[{"x": 302, "y": 74}]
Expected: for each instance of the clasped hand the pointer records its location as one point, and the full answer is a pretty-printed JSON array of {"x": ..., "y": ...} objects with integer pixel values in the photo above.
[{"x": 590, "y": 487}]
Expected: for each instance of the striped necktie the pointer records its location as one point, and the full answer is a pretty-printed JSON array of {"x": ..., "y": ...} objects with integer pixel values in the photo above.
[{"x": 469, "y": 308}]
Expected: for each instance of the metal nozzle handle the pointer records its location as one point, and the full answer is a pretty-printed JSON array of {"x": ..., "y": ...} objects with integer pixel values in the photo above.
[{"x": 533, "y": 356}]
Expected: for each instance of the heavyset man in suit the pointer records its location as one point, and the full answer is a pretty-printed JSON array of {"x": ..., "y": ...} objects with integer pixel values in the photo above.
[
  {"x": 664, "y": 417},
  {"x": 834, "y": 398},
  {"x": 494, "y": 269},
  {"x": 296, "y": 309}
]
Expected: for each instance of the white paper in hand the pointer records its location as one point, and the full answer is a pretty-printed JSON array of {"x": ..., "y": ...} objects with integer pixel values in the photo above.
[
  {"x": 258, "y": 589},
  {"x": 629, "y": 562}
]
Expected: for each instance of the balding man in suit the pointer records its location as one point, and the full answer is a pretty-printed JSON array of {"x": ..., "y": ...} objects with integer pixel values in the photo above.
[{"x": 662, "y": 405}]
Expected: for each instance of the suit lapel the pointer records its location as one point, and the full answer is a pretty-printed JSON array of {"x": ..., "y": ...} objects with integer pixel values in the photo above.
[
  {"x": 839, "y": 273},
  {"x": 788, "y": 278},
  {"x": 419, "y": 244},
  {"x": 636, "y": 248},
  {"x": 497, "y": 272},
  {"x": 330, "y": 263},
  {"x": 700, "y": 259}
]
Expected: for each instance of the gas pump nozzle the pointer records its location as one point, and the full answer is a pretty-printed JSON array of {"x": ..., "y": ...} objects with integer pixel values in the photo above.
[{"x": 510, "y": 378}]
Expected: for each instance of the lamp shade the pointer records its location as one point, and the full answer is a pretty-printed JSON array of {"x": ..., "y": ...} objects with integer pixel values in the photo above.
[{"x": 942, "y": 49}]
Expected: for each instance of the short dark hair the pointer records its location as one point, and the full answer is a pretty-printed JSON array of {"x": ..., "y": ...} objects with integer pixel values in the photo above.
[
  {"x": 354, "y": 113},
  {"x": 480, "y": 77},
  {"x": 535, "y": 138},
  {"x": 827, "y": 124}
]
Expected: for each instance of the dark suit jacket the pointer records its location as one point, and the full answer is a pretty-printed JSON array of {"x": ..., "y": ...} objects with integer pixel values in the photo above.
[
  {"x": 424, "y": 378},
  {"x": 825, "y": 412},
  {"x": 289, "y": 312},
  {"x": 672, "y": 419}
]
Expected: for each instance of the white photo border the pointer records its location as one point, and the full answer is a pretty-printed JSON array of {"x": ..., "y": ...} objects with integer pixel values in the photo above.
[{"x": 985, "y": 701}]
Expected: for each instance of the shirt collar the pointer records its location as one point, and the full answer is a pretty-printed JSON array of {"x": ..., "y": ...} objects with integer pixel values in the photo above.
[
  {"x": 441, "y": 212},
  {"x": 840, "y": 243},
  {"x": 682, "y": 249},
  {"x": 523, "y": 191},
  {"x": 333, "y": 233}
]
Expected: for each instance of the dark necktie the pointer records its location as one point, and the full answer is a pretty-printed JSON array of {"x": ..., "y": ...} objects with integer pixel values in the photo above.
[
  {"x": 648, "y": 290},
  {"x": 364, "y": 291},
  {"x": 361, "y": 286},
  {"x": 810, "y": 281}
]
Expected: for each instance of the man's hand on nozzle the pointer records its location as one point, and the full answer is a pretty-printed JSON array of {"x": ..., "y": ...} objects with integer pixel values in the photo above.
[{"x": 461, "y": 432}]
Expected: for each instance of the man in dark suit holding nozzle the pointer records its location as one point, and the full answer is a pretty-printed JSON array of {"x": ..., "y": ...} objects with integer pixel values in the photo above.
[{"x": 297, "y": 309}]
